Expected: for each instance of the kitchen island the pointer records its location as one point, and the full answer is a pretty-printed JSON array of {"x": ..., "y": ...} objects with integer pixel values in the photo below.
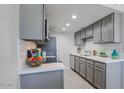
[
  {"x": 100, "y": 72},
  {"x": 46, "y": 76}
]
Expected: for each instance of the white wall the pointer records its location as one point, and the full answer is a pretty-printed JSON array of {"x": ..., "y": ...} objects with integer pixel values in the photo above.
[
  {"x": 9, "y": 46},
  {"x": 65, "y": 44},
  {"x": 106, "y": 47}
]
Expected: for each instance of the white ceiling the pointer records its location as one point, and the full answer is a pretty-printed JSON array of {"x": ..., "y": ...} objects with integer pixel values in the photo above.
[
  {"x": 60, "y": 14},
  {"x": 119, "y": 7}
]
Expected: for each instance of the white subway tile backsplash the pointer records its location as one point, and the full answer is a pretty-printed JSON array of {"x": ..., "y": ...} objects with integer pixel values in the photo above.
[
  {"x": 89, "y": 45},
  {"x": 23, "y": 47}
]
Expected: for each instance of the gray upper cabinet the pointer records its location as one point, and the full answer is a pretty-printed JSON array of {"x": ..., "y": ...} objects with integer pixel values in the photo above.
[
  {"x": 108, "y": 29},
  {"x": 31, "y": 21},
  {"x": 111, "y": 27},
  {"x": 97, "y": 32},
  {"x": 77, "y": 38},
  {"x": 89, "y": 32},
  {"x": 83, "y": 33}
]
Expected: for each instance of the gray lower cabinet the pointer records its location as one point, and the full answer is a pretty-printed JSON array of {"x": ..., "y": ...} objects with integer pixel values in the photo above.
[
  {"x": 42, "y": 80},
  {"x": 83, "y": 69},
  {"x": 99, "y": 77},
  {"x": 77, "y": 64},
  {"x": 97, "y": 32},
  {"x": 89, "y": 73},
  {"x": 72, "y": 61}
]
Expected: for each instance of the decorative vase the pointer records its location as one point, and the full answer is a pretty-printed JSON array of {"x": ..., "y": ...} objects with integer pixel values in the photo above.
[{"x": 115, "y": 54}]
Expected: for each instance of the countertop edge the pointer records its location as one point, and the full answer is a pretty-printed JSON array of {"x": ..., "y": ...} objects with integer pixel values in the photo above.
[{"x": 41, "y": 69}]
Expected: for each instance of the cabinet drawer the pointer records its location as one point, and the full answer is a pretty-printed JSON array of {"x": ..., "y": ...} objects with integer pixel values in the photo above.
[
  {"x": 90, "y": 62},
  {"x": 100, "y": 65},
  {"x": 82, "y": 60}
]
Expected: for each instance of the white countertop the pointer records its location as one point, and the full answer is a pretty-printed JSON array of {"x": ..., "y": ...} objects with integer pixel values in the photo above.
[
  {"x": 100, "y": 59},
  {"x": 43, "y": 68}
]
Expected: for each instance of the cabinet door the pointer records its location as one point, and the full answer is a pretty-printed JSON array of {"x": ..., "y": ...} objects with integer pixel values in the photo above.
[
  {"x": 97, "y": 32},
  {"x": 78, "y": 40},
  {"x": 72, "y": 59},
  {"x": 99, "y": 77},
  {"x": 83, "y": 33},
  {"x": 83, "y": 68},
  {"x": 31, "y": 21},
  {"x": 77, "y": 63},
  {"x": 107, "y": 29},
  {"x": 89, "y": 32},
  {"x": 42, "y": 80},
  {"x": 89, "y": 73}
]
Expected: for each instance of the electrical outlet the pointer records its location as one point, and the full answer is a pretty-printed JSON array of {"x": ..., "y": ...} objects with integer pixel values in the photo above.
[{"x": 3, "y": 85}]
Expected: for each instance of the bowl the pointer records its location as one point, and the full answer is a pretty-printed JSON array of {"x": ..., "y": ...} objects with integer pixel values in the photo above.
[{"x": 34, "y": 63}]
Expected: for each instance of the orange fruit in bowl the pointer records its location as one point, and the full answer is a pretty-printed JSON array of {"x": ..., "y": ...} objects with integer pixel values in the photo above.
[
  {"x": 33, "y": 59},
  {"x": 40, "y": 58}
]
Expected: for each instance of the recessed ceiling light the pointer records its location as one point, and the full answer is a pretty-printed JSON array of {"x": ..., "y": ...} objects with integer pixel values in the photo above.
[
  {"x": 63, "y": 29},
  {"x": 67, "y": 24},
  {"x": 74, "y": 16}
]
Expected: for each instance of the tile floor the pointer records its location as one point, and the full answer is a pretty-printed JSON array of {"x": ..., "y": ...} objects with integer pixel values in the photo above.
[{"x": 73, "y": 81}]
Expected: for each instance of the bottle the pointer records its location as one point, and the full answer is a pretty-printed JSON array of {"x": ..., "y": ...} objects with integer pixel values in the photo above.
[
  {"x": 94, "y": 52},
  {"x": 115, "y": 54},
  {"x": 44, "y": 56}
]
